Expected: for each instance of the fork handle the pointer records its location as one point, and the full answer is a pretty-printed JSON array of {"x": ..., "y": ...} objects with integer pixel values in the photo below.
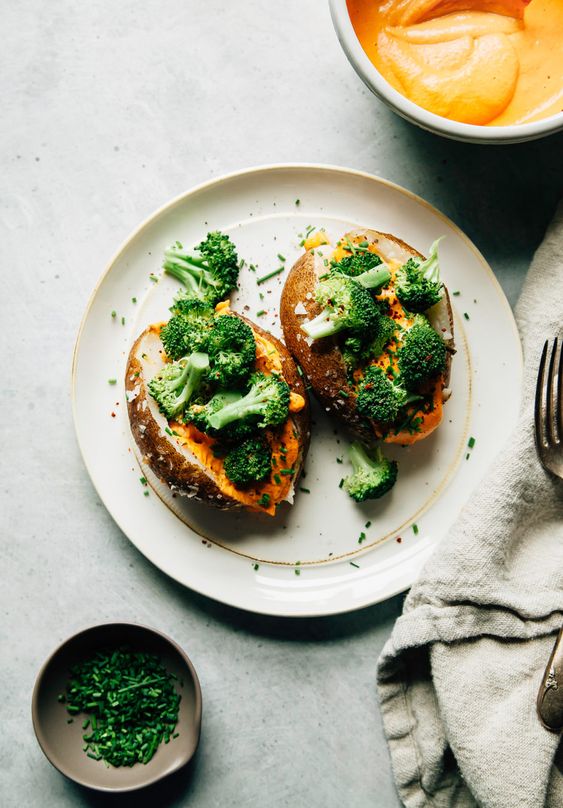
[{"x": 550, "y": 696}]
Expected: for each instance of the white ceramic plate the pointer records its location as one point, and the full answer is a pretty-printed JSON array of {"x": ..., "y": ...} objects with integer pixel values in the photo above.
[{"x": 309, "y": 560}]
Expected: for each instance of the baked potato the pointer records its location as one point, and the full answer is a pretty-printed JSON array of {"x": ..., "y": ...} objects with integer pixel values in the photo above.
[
  {"x": 186, "y": 459},
  {"x": 332, "y": 379}
]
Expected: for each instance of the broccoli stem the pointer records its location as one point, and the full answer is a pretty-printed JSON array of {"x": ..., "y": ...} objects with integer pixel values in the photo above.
[
  {"x": 191, "y": 378},
  {"x": 175, "y": 253},
  {"x": 374, "y": 278},
  {"x": 361, "y": 460},
  {"x": 250, "y": 404},
  {"x": 430, "y": 268},
  {"x": 188, "y": 269},
  {"x": 321, "y": 326}
]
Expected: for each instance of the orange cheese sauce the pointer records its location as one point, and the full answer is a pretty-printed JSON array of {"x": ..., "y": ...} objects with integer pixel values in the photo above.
[
  {"x": 428, "y": 420},
  {"x": 485, "y": 62},
  {"x": 284, "y": 444},
  {"x": 316, "y": 239},
  {"x": 202, "y": 447}
]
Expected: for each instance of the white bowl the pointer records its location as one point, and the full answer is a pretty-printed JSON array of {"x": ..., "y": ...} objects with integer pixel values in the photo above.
[{"x": 471, "y": 133}]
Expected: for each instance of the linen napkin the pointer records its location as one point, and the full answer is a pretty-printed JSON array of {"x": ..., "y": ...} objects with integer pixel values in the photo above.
[{"x": 459, "y": 676}]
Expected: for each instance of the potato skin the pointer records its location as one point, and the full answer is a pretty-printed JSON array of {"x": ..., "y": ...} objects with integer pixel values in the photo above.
[
  {"x": 322, "y": 360},
  {"x": 178, "y": 468}
]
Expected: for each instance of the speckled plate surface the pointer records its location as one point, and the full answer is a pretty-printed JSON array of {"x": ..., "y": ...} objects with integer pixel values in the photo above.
[{"x": 311, "y": 559}]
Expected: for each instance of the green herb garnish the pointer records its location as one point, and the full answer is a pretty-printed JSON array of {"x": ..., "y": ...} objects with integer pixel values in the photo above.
[
  {"x": 130, "y": 702},
  {"x": 269, "y": 275}
]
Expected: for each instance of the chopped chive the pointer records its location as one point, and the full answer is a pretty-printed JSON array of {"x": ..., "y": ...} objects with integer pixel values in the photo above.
[
  {"x": 143, "y": 480},
  {"x": 297, "y": 202},
  {"x": 260, "y": 313},
  {"x": 114, "y": 314},
  {"x": 305, "y": 490},
  {"x": 277, "y": 479},
  {"x": 281, "y": 257},
  {"x": 264, "y": 501},
  {"x": 339, "y": 460},
  {"x": 344, "y": 393},
  {"x": 297, "y": 572},
  {"x": 471, "y": 443},
  {"x": 133, "y": 300},
  {"x": 146, "y": 493},
  {"x": 466, "y": 315},
  {"x": 362, "y": 537},
  {"x": 168, "y": 430},
  {"x": 456, "y": 294},
  {"x": 354, "y": 565},
  {"x": 130, "y": 702},
  {"x": 269, "y": 275},
  {"x": 287, "y": 471},
  {"x": 341, "y": 483},
  {"x": 153, "y": 277},
  {"x": 112, "y": 381},
  {"x": 123, "y": 321},
  {"x": 467, "y": 456},
  {"x": 256, "y": 567}
]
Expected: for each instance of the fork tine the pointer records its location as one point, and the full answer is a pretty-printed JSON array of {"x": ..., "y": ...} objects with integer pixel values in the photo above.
[
  {"x": 550, "y": 426},
  {"x": 559, "y": 399},
  {"x": 539, "y": 415}
]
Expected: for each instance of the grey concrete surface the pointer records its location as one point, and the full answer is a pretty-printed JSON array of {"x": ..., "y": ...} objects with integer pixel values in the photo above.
[{"x": 110, "y": 109}]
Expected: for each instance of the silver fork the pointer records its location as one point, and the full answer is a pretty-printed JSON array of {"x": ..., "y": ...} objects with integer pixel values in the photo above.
[
  {"x": 549, "y": 410},
  {"x": 549, "y": 443}
]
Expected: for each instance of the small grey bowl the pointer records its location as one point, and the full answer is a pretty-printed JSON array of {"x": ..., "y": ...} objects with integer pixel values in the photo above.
[
  {"x": 455, "y": 130},
  {"x": 62, "y": 742}
]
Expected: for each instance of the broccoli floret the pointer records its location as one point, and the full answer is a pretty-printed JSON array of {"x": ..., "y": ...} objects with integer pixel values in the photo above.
[
  {"x": 418, "y": 285},
  {"x": 381, "y": 399},
  {"x": 365, "y": 267},
  {"x": 232, "y": 351},
  {"x": 251, "y": 462},
  {"x": 374, "y": 475},
  {"x": 235, "y": 432},
  {"x": 346, "y": 305},
  {"x": 209, "y": 273},
  {"x": 267, "y": 399},
  {"x": 357, "y": 350},
  {"x": 188, "y": 330},
  {"x": 175, "y": 385},
  {"x": 422, "y": 354}
]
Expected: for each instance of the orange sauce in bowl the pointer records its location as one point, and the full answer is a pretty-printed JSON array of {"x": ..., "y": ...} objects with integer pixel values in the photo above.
[{"x": 485, "y": 62}]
